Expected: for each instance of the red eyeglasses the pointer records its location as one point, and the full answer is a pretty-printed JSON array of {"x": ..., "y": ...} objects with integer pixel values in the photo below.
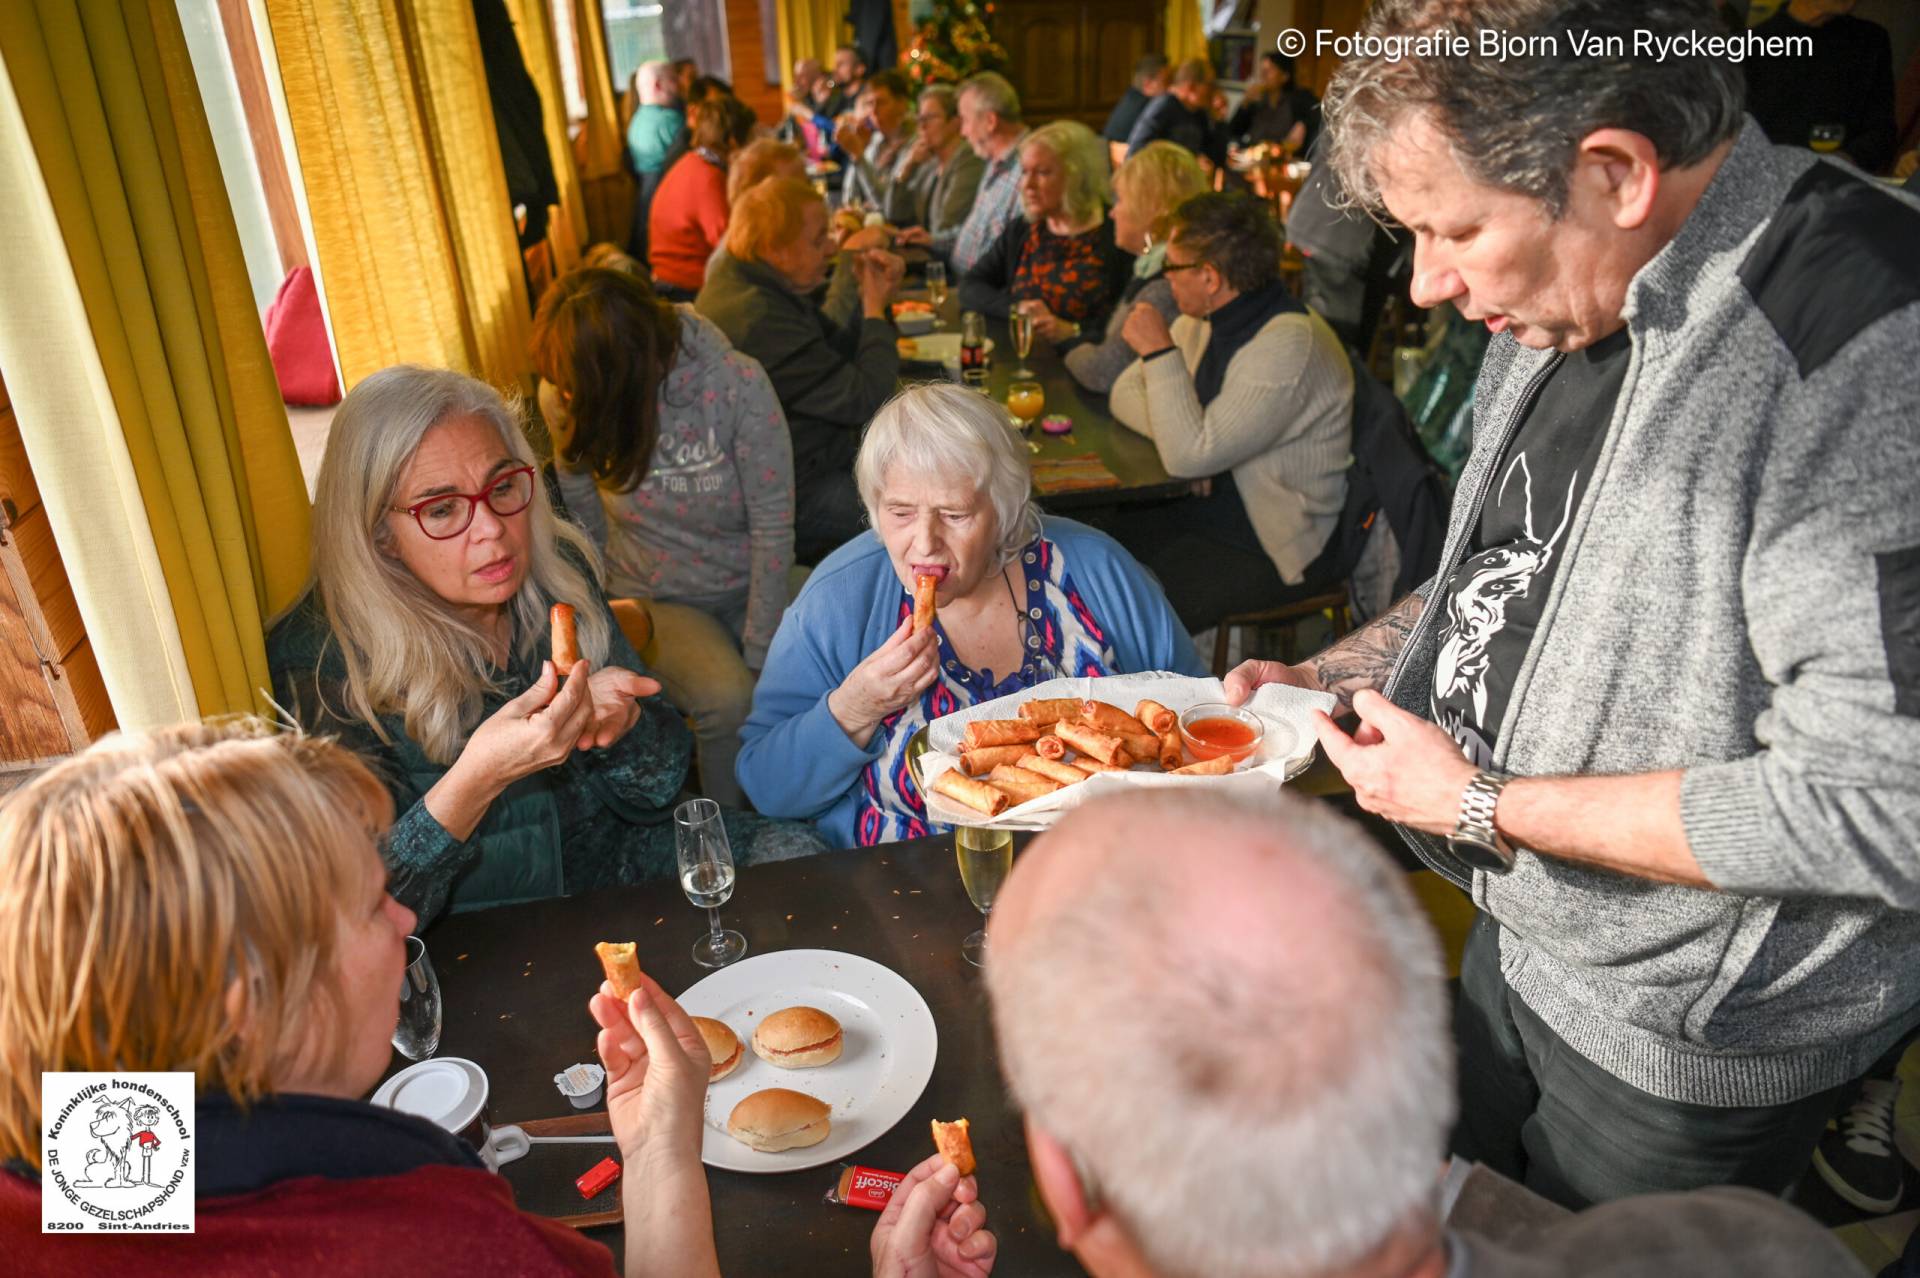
[{"x": 448, "y": 515}]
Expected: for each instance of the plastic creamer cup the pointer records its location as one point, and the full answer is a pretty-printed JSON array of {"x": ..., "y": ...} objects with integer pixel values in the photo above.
[{"x": 582, "y": 1085}]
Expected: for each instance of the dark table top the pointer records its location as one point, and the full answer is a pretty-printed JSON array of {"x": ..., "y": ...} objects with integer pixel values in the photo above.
[{"x": 516, "y": 981}]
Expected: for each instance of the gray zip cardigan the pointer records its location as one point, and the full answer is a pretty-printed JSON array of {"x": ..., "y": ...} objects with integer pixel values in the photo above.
[{"x": 1740, "y": 598}]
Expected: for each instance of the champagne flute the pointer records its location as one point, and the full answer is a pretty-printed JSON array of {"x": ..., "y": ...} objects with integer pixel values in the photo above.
[
  {"x": 937, "y": 291},
  {"x": 986, "y": 858},
  {"x": 1021, "y": 325},
  {"x": 416, "y": 1035},
  {"x": 706, "y": 875}
]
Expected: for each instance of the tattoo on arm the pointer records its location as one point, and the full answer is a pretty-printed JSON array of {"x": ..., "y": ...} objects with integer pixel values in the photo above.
[{"x": 1365, "y": 658}]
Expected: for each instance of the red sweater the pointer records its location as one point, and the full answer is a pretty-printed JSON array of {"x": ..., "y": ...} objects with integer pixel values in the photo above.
[{"x": 687, "y": 220}]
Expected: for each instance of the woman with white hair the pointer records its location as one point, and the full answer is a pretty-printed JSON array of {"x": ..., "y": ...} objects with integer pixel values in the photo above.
[
  {"x": 1057, "y": 261},
  {"x": 423, "y": 643},
  {"x": 1021, "y": 599}
]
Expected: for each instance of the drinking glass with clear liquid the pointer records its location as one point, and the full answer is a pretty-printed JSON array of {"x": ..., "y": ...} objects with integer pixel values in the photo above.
[
  {"x": 416, "y": 1034},
  {"x": 1020, "y": 325},
  {"x": 1026, "y": 401},
  {"x": 986, "y": 858},
  {"x": 706, "y": 876},
  {"x": 936, "y": 289}
]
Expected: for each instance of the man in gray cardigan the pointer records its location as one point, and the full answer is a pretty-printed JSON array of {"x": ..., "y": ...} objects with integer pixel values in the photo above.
[{"x": 1659, "y": 710}]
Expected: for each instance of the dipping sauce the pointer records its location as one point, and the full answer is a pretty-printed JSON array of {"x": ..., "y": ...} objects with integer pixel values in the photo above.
[{"x": 1211, "y": 738}]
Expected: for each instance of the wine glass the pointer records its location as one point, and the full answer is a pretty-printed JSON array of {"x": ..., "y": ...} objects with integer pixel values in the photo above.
[
  {"x": 937, "y": 290},
  {"x": 416, "y": 1035},
  {"x": 986, "y": 858},
  {"x": 1026, "y": 400},
  {"x": 706, "y": 875},
  {"x": 1021, "y": 325}
]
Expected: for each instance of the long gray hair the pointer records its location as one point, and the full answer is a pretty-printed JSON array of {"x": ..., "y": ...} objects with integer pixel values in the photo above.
[
  {"x": 1516, "y": 118},
  {"x": 406, "y": 651}
]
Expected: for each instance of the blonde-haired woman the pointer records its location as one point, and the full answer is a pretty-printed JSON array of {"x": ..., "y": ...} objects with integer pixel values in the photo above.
[
  {"x": 1146, "y": 190},
  {"x": 210, "y": 898},
  {"x": 423, "y": 643},
  {"x": 1057, "y": 261}
]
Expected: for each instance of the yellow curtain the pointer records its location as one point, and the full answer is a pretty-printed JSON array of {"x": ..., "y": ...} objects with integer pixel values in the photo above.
[
  {"x": 808, "y": 29},
  {"x": 533, "y": 24},
  {"x": 417, "y": 255},
  {"x": 1186, "y": 31},
  {"x": 136, "y": 361},
  {"x": 609, "y": 191}
]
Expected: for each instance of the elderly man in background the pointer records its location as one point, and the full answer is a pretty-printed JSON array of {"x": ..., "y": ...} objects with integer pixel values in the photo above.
[
  {"x": 1659, "y": 708},
  {"x": 877, "y": 138},
  {"x": 940, "y": 171},
  {"x": 1241, "y": 1070},
  {"x": 1184, "y": 114},
  {"x": 1149, "y": 82},
  {"x": 831, "y": 369},
  {"x": 990, "y": 122}
]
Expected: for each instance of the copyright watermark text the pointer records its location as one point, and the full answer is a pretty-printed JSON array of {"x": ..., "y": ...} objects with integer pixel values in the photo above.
[{"x": 1499, "y": 45}]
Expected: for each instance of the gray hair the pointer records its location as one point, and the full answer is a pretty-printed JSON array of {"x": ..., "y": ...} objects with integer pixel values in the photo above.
[
  {"x": 991, "y": 91},
  {"x": 943, "y": 94},
  {"x": 1240, "y": 1115},
  {"x": 407, "y": 652},
  {"x": 1083, "y": 154},
  {"x": 657, "y": 84},
  {"x": 1516, "y": 122},
  {"x": 938, "y": 428}
]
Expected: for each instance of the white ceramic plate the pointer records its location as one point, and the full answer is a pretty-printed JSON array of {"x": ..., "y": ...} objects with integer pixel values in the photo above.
[
  {"x": 939, "y": 348},
  {"x": 890, "y": 1046}
]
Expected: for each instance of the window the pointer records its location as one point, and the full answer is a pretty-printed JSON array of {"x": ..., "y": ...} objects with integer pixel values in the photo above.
[{"x": 635, "y": 34}]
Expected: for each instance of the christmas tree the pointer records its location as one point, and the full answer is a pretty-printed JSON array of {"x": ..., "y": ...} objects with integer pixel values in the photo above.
[{"x": 953, "y": 44}]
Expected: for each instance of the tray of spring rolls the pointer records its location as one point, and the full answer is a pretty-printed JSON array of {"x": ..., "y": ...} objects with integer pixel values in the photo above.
[{"x": 1020, "y": 761}]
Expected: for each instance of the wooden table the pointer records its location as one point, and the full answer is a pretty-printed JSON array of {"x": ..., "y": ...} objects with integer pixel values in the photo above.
[
  {"x": 516, "y": 981},
  {"x": 1132, "y": 458}
]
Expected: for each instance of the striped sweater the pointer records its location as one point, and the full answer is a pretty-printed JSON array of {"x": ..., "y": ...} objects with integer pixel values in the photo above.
[{"x": 1282, "y": 423}]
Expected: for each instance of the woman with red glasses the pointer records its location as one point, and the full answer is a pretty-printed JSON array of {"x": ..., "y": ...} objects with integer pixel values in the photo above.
[{"x": 423, "y": 643}]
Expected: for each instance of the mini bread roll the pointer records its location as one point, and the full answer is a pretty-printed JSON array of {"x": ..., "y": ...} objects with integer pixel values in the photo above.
[
  {"x": 967, "y": 792},
  {"x": 798, "y": 1038},
  {"x": 777, "y": 1119},
  {"x": 1156, "y": 716},
  {"x": 1218, "y": 766},
  {"x": 1110, "y": 719},
  {"x": 982, "y": 761},
  {"x": 1095, "y": 745},
  {"x": 723, "y": 1045},
  {"x": 621, "y": 965},
  {"x": 1051, "y": 709},
  {"x": 1052, "y": 769}
]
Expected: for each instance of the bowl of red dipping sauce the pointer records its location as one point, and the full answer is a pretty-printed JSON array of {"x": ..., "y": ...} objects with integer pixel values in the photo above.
[{"x": 1214, "y": 728}]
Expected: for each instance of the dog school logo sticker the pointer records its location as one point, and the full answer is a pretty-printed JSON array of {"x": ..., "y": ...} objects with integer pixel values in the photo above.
[{"x": 116, "y": 1153}]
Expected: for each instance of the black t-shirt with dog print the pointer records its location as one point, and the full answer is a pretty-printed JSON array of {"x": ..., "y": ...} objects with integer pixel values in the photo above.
[{"x": 1495, "y": 597}]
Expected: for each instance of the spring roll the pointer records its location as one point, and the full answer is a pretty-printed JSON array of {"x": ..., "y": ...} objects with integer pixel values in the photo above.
[
  {"x": 1053, "y": 769},
  {"x": 1156, "y": 716},
  {"x": 566, "y": 644},
  {"x": 1050, "y": 747},
  {"x": 1110, "y": 719},
  {"x": 977, "y": 795},
  {"x": 980, "y": 762},
  {"x": 1021, "y": 784},
  {"x": 924, "y": 587},
  {"x": 1218, "y": 766},
  {"x": 621, "y": 965},
  {"x": 1095, "y": 745},
  {"x": 1143, "y": 746},
  {"x": 1172, "y": 757},
  {"x": 1086, "y": 764},
  {"x": 982, "y": 733},
  {"x": 1051, "y": 710}
]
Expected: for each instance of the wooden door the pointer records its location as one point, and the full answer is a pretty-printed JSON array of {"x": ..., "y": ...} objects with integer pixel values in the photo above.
[
  {"x": 1073, "y": 59},
  {"x": 1342, "y": 17}
]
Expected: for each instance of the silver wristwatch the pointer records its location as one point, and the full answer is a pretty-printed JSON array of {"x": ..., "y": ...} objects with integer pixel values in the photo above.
[{"x": 1474, "y": 840}]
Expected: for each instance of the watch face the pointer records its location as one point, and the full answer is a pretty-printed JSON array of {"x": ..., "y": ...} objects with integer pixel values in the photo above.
[{"x": 1481, "y": 856}]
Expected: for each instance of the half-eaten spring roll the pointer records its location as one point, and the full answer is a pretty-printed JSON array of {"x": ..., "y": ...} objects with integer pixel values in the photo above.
[
  {"x": 1053, "y": 769},
  {"x": 1051, "y": 709},
  {"x": 977, "y": 795},
  {"x": 1020, "y": 783},
  {"x": 980, "y": 762},
  {"x": 1110, "y": 719},
  {"x": 1218, "y": 766},
  {"x": 982, "y": 733},
  {"x": 1156, "y": 716},
  {"x": 1093, "y": 744},
  {"x": 1172, "y": 757}
]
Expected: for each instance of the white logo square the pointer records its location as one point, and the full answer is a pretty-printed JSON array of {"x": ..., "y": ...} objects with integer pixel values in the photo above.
[{"x": 116, "y": 1153}]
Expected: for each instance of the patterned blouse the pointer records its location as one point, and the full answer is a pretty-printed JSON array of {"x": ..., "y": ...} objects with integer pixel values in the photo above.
[
  {"x": 1067, "y": 272},
  {"x": 1062, "y": 639}
]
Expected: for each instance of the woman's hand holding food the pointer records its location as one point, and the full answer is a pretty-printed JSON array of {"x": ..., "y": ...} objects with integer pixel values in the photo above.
[
  {"x": 615, "y": 694},
  {"x": 892, "y": 676},
  {"x": 934, "y": 1226},
  {"x": 533, "y": 732}
]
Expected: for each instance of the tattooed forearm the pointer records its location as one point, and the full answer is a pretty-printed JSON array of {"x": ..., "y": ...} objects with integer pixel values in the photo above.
[{"x": 1365, "y": 658}]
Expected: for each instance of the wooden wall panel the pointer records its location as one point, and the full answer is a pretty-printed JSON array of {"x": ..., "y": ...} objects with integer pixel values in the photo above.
[
  {"x": 30, "y": 724},
  {"x": 47, "y": 578},
  {"x": 747, "y": 46},
  {"x": 1072, "y": 59},
  {"x": 89, "y": 690},
  {"x": 16, "y": 477}
]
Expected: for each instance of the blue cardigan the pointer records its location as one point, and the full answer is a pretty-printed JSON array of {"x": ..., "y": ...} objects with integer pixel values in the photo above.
[{"x": 796, "y": 760}]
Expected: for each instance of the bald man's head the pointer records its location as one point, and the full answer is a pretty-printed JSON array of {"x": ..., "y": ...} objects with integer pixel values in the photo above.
[{"x": 1232, "y": 1013}]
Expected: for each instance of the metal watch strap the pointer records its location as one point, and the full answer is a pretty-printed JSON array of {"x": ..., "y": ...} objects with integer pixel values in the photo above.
[{"x": 1474, "y": 838}]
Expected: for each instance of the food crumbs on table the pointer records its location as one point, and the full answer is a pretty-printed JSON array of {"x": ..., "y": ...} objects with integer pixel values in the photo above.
[
  {"x": 789, "y": 918},
  {"x": 460, "y": 959},
  {"x": 662, "y": 919}
]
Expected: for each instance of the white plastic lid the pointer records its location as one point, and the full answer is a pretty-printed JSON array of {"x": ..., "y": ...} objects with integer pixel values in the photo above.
[{"x": 447, "y": 1091}]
